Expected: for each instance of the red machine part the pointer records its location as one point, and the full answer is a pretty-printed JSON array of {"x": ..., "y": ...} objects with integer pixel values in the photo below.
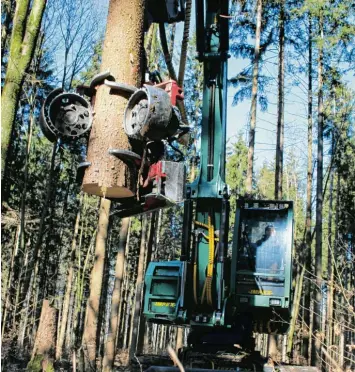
[
  {"x": 175, "y": 92},
  {"x": 155, "y": 173}
]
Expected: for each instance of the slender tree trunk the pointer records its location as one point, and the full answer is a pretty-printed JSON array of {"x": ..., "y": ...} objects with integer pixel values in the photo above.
[
  {"x": 179, "y": 339},
  {"x": 116, "y": 299},
  {"x": 280, "y": 111},
  {"x": 9, "y": 283},
  {"x": 316, "y": 352},
  {"x": 308, "y": 234},
  {"x": 148, "y": 43},
  {"x": 25, "y": 30},
  {"x": 68, "y": 289},
  {"x": 167, "y": 56},
  {"x": 139, "y": 289},
  {"x": 295, "y": 309},
  {"x": 330, "y": 293},
  {"x": 254, "y": 97},
  {"x": 149, "y": 248},
  {"x": 92, "y": 310},
  {"x": 42, "y": 223},
  {"x": 172, "y": 40}
]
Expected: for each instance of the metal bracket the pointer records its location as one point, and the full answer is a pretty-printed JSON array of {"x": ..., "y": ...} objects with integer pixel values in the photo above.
[
  {"x": 81, "y": 171},
  {"x": 107, "y": 79},
  {"x": 128, "y": 157}
]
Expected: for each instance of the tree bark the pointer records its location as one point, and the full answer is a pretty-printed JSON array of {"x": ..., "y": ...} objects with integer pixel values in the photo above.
[
  {"x": 280, "y": 110},
  {"x": 122, "y": 55},
  {"x": 254, "y": 96},
  {"x": 139, "y": 289},
  {"x": 167, "y": 56},
  {"x": 316, "y": 352},
  {"x": 172, "y": 40},
  {"x": 308, "y": 233},
  {"x": 93, "y": 305},
  {"x": 46, "y": 335},
  {"x": 25, "y": 30},
  {"x": 148, "y": 256},
  {"x": 110, "y": 347},
  {"x": 179, "y": 339},
  {"x": 330, "y": 293},
  {"x": 68, "y": 288}
]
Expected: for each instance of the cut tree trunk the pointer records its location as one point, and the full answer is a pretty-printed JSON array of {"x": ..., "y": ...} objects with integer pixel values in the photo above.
[
  {"x": 122, "y": 55},
  {"x": 254, "y": 96}
]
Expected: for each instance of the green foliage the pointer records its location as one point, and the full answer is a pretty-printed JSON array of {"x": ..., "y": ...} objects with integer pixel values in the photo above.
[
  {"x": 266, "y": 181},
  {"x": 36, "y": 365},
  {"x": 236, "y": 170}
]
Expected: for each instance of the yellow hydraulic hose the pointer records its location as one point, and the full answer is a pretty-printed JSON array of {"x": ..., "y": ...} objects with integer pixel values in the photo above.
[
  {"x": 207, "y": 288},
  {"x": 195, "y": 282},
  {"x": 210, "y": 260}
]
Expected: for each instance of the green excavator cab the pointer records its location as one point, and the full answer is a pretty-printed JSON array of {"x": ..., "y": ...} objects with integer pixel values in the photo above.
[{"x": 262, "y": 260}]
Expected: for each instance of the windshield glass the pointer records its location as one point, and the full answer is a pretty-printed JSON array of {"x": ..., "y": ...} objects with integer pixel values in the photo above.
[{"x": 263, "y": 241}]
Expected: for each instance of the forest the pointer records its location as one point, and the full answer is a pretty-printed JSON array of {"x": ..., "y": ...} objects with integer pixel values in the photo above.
[{"x": 72, "y": 269}]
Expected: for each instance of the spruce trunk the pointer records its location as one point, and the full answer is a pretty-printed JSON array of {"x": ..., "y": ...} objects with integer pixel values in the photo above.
[
  {"x": 139, "y": 290},
  {"x": 25, "y": 29},
  {"x": 116, "y": 299},
  {"x": 68, "y": 289},
  {"x": 280, "y": 110},
  {"x": 316, "y": 352},
  {"x": 93, "y": 305},
  {"x": 308, "y": 233},
  {"x": 122, "y": 55},
  {"x": 254, "y": 96},
  {"x": 46, "y": 336}
]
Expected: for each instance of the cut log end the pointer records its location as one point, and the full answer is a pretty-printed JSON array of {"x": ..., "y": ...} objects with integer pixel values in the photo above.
[{"x": 115, "y": 192}]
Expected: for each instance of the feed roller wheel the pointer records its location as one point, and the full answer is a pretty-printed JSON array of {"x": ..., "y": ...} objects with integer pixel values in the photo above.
[{"x": 65, "y": 115}]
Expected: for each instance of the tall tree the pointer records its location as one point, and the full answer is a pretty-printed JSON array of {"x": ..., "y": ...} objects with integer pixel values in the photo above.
[
  {"x": 93, "y": 305},
  {"x": 249, "y": 180},
  {"x": 308, "y": 233},
  {"x": 110, "y": 347},
  {"x": 316, "y": 354},
  {"x": 280, "y": 104},
  {"x": 25, "y": 30}
]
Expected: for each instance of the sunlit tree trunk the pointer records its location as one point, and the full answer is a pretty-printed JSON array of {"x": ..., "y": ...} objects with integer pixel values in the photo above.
[
  {"x": 93, "y": 305},
  {"x": 110, "y": 346},
  {"x": 25, "y": 29},
  {"x": 316, "y": 350},
  {"x": 308, "y": 234},
  {"x": 69, "y": 282},
  {"x": 280, "y": 109},
  {"x": 137, "y": 308},
  {"x": 254, "y": 97}
]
